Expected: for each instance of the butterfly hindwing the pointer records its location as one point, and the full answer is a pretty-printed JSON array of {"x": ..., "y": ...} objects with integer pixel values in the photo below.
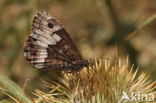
[{"x": 50, "y": 46}]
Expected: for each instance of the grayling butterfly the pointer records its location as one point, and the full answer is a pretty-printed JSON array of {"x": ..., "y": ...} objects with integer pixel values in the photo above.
[{"x": 49, "y": 46}]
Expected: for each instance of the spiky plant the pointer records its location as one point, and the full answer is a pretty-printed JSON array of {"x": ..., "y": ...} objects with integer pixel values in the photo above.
[{"x": 102, "y": 83}]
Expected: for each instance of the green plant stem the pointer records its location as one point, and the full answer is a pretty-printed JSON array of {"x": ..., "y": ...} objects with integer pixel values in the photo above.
[{"x": 12, "y": 89}]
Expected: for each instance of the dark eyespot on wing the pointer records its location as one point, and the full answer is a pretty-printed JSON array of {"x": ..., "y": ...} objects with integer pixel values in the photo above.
[{"x": 50, "y": 25}]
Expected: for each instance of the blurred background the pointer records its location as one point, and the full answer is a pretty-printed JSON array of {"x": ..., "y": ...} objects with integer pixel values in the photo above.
[{"x": 99, "y": 28}]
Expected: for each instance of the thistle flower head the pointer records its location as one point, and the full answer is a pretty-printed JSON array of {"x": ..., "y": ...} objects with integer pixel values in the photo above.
[{"x": 101, "y": 83}]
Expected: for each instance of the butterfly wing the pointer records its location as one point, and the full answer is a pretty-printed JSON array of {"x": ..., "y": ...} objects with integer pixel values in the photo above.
[{"x": 50, "y": 46}]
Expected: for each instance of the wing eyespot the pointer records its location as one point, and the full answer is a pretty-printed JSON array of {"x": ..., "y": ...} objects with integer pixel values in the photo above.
[{"x": 50, "y": 25}]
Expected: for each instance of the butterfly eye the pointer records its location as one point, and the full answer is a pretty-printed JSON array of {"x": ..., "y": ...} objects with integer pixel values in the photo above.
[{"x": 50, "y": 25}]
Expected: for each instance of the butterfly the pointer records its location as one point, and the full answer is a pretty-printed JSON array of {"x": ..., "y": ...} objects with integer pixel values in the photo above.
[{"x": 49, "y": 46}]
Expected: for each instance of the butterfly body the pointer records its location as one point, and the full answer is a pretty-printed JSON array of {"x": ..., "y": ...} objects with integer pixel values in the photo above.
[{"x": 49, "y": 46}]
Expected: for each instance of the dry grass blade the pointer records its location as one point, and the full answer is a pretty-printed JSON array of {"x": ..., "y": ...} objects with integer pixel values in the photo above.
[{"x": 149, "y": 21}]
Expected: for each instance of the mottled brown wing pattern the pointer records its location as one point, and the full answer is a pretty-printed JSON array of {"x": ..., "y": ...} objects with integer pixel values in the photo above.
[{"x": 49, "y": 46}]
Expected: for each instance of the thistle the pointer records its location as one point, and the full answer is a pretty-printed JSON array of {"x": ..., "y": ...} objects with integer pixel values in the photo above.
[{"x": 102, "y": 83}]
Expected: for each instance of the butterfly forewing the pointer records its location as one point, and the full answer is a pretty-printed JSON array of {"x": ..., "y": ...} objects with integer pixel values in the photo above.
[{"x": 49, "y": 46}]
